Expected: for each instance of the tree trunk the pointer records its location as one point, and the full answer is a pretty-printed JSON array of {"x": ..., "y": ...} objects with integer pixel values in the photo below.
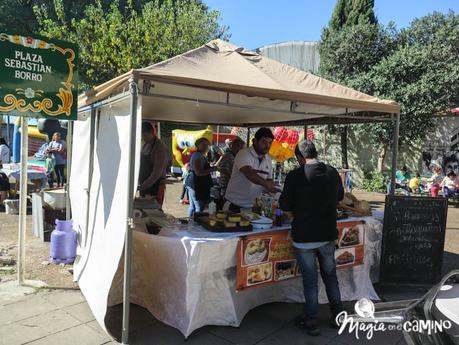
[
  {"x": 344, "y": 162},
  {"x": 324, "y": 139},
  {"x": 382, "y": 157}
]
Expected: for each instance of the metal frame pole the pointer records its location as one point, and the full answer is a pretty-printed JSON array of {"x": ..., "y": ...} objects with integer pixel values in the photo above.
[
  {"x": 8, "y": 136},
  {"x": 68, "y": 213},
  {"x": 23, "y": 199},
  {"x": 394, "y": 152},
  {"x": 248, "y": 137},
  {"x": 133, "y": 87},
  {"x": 90, "y": 168}
]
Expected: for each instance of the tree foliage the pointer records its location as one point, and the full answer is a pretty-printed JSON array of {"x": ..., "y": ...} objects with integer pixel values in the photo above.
[
  {"x": 416, "y": 66},
  {"x": 117, "y": 38},
  {"x": 422, "y": 75}
]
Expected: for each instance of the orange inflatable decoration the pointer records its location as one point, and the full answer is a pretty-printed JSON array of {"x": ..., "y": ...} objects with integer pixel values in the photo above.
[{"x": 283, "y": 146}]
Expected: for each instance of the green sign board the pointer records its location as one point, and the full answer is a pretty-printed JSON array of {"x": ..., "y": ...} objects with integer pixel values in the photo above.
[{"x": 38, "y": 77}]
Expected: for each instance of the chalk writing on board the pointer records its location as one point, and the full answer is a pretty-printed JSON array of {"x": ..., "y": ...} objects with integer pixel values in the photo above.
[{"x": 413, "y": 240}]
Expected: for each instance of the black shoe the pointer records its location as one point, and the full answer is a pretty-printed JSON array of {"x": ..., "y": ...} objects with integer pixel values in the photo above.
[
  {"x": 310, "y": 326},
  {"x": 335, "y": 323}
]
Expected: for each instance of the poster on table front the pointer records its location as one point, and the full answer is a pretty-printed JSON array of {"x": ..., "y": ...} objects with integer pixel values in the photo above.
[{"x": 269, "y": 257}]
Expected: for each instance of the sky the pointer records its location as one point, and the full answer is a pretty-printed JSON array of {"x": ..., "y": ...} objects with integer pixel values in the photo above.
[{"x": 255, "y": 23}]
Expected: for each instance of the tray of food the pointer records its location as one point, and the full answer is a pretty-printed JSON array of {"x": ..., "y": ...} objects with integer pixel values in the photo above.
[{"x": 223, "y": 222}]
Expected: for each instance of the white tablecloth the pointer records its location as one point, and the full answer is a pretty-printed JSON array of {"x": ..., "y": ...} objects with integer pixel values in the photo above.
[{"x": 186, "y": 278}]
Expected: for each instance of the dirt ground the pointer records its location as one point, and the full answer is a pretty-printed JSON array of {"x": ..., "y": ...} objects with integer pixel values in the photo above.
[{"x": 37, "y": 252}]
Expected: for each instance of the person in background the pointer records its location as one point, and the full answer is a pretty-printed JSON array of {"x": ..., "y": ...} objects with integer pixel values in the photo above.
[
  {"x": 252, "y": 173},
  {"x": 225, "y": 165},
  {"x": 50, "y": 166},
  {"x": 299, "y": 156},
  {"x": 449, "y": 184},
  {"x": 435, "y": 180},
  {"x": 4, "y": 187},
  {"x": 402, "y": 178},
  {"x": 185, "y": 174},
  {"x": 56, "y": 148},
  {"x": 311, "y": 194},
  {"x": 4, "y": 152},
  {"x": 227, "y": 145},
  {"x": 214, "y": 154},
  {"x": 153, "y": 164},
  {"x": 415, "y": 183},
  {"x": 200, "y": 181}
]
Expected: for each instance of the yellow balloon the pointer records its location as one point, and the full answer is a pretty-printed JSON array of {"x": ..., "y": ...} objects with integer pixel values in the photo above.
[{"x": 280, "y": 152}]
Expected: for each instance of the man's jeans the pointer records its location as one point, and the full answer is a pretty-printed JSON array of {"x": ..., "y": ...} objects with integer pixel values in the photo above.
[{"x": 306, "y": 259}]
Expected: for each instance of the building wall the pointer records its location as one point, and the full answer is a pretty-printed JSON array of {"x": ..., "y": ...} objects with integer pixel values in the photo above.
[{"x": 301, "y": 55}]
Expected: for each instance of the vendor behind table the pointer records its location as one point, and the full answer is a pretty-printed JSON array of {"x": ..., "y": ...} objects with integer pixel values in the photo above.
[
  {"x": 225, "y": 165},
  {"x": 153, "y": 164},
  {"x": 251, "y": 173}
]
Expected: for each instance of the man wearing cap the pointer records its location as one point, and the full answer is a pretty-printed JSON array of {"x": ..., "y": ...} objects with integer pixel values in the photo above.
[
  {"x": 311, "y": 193},
  {"x": 153, "y": 164},
  {"x": 251, "y": 174},
  {"x": 225, "y": 165}
]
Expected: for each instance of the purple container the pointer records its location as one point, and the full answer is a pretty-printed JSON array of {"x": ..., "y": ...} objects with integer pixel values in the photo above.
[{"x": 63, "y": 243}]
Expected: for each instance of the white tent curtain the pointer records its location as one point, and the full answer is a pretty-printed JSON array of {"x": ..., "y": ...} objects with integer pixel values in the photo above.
[{"x": 101, "y": 245}]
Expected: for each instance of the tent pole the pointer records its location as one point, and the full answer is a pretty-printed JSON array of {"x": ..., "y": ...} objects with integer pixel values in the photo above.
[
  {"x": 394, "y": 152},
  {"x": 8, "y": 139},
  {"x": 90, "y": 168},
  {"x": 68, "y": 213},
  {"x": 248, "y": 137},
  {"x": 158, "y": 125},
  {"x": 129, "y": 221},
  {"x": 23, "y": 199},
  {"x": 305, "y": 132}
]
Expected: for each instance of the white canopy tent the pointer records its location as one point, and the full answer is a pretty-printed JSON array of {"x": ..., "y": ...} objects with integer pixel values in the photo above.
[{"x": 217, "y": 83}]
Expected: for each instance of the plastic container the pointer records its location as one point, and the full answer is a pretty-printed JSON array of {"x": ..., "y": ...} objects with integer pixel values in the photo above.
[
  {"x": 434, "y": 190},
  {"x": 63, "y": 243},
  {"x": 11, "y": 206},
  {"x": 212, "y": 207},
  {"x": 55, "y": 198},
  {"x": 262, "y": 223}
]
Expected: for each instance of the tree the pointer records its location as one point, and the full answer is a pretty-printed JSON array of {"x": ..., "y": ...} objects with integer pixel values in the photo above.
[
  {"x": 350, "y": 45},
  {"x": 416, "y": 66},
  {"x": 18, "y": 16},
  {"x": 422, "y": 75},
  {"x": 116, "y": 39}
]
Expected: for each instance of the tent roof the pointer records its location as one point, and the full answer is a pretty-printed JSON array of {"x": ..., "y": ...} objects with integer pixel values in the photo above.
[{"x": 258, "y": 90}]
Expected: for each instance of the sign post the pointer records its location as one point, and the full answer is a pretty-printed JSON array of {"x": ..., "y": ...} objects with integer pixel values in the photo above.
[{"x": 38, "y": 78}]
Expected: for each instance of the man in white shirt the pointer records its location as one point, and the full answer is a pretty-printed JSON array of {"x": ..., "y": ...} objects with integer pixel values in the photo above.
[{"x": 252, "y": 173}]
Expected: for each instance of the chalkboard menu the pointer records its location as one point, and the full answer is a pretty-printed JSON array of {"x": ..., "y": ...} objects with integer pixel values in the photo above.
[{"x": 413, "y": 240}]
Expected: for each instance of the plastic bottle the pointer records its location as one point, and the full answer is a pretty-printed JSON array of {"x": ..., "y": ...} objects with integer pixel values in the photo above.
[
  {"x": 212, "y": 207},
  {"x": 278, "y": 219}
]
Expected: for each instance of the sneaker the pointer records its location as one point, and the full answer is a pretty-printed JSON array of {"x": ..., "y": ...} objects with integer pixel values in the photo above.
[{"x": 310, "y": 326}]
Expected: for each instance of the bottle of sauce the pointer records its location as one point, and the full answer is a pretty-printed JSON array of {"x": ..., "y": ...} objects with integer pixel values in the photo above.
[
  {"x": 278, "y": 218},
  {"x": 212, "y": 207}
]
